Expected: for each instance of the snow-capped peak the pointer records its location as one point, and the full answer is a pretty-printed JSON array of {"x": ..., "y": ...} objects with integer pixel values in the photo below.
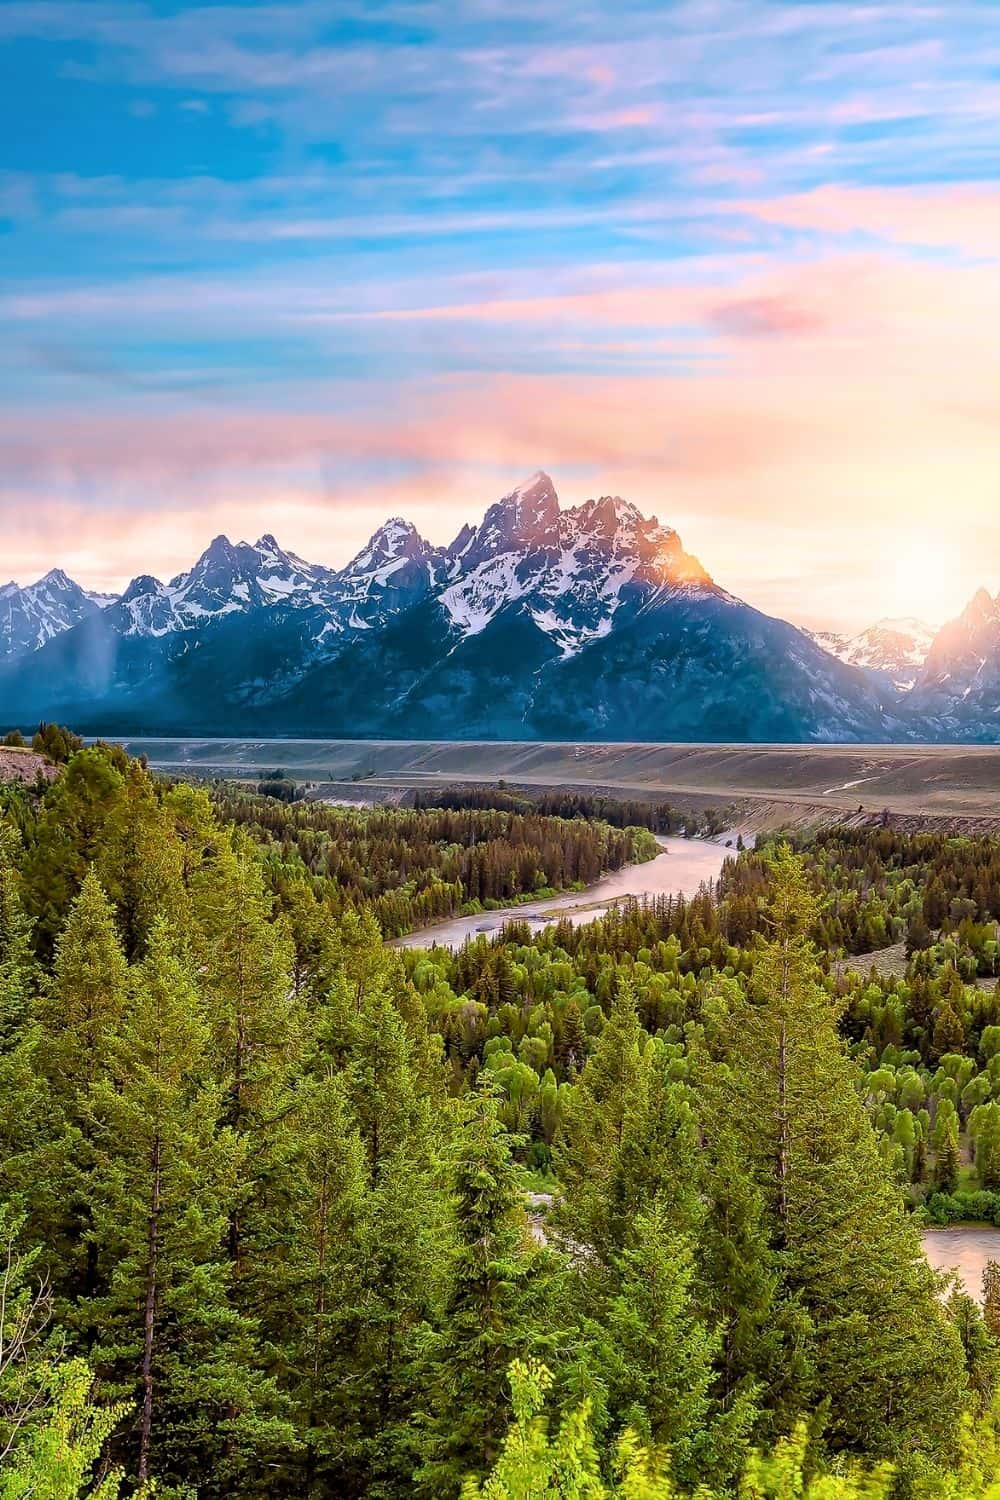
[
  {"x": 55, "y": 578},
  {"x": 892, "y": 650},
  {"x": 33, "y": 615},
  {"x": 394, "y": 540},
  {"x": 527, "y": 517},
  {"x": 569, "y": 570}
]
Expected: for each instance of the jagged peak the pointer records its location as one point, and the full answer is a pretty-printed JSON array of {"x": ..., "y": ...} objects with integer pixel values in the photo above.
[
  {"x": 140, "y": 587},
  {"x": 536, "y": 481},
  {"x": 982, "y": 603},
  {"x": 396, "y": 527},
  {"x": 219, "y": 547},
  {"x": 536, "y": 493},
  {"x": 462, "y": 540},
  {"x": 526, "y": 516},
  {"x": 55, "y": 578},
  {"x": 394, "y": 539},
  {"x": 268, "y": 543},
  {"x": 610, "y": 505}
]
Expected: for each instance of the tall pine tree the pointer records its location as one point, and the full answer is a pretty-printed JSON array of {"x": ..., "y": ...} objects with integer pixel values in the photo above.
[
  {"x": 884, "y": 1362},
  {"x": 499, "y": 1307},
  {"x": 165, "y": 1176}
]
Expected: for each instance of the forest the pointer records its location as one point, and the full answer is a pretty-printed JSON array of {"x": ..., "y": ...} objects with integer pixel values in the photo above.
[
  {"x": 411, "y": 867},
  {"x": 624, "y": 1210},
  {"x": 620, "y": 812}
]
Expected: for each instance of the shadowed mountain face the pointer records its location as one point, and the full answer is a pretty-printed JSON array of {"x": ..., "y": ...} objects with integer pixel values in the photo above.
[
  {"x": 958, "y": 689},
  {"x": 587, "y": 623}
]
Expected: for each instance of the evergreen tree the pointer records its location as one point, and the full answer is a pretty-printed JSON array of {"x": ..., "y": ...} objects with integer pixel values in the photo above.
[
  {"x": 991, "y": 1297},
  {"x": 403, "y": 1257},
  {"x": 165, "y": 1176},
  {"x": 981, "y": 1350},
  {"x": 139, "y": 863},
  {"x": 25, "y": 1115},
  {"x": 81, "y": 1011},
  {"x": 496, "y": 1309},
  {"x": 655, "y": 1357},
  {"x": 67, "y": 839},
  {"x": 884, "y": 1359},
  {"x": 86, "y": 998},
  {"x": 604, "y": 1110},
  {"x": 256, "y": 1035},
  {"x": 762, "y": 1332},
  {"x": 315, "y": 1307}
]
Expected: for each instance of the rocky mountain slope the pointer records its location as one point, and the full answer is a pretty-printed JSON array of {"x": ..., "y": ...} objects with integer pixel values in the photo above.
[
  {"x": 585, "y": 623},
  {"x": 31, "y": 616},
  {"x": 890, "y": 651},
  {"x": 957, "y": 692}
]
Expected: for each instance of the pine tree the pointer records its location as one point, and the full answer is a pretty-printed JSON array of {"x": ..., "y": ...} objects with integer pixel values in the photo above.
[
  {"x": 762, "y": 1333},
  {"x": 496, "y": 1308},
  {"x": 944, "y": 1140},
  {"x": 80, "y": 1012},
  {"x": 140, "y": 864},
  {"x": 606, "y": 1106},
  {"x": 256, "y": 1033},
  {"x": 315, "y": 1306},
  {"x": 406, "y": 1215},
  {"x": 86, "y": 998},
  {"x": 67, "y": 839},
  {"x": 883, "y": 1357},
  {"x": 17, "y": 968},
  {"x": 980, "y": 1348},
  {"x": 655, "y": 1357},
  {"x": 991, "y": 1297},
  {"x": 25, "y": 1114},
  {"x": 164, "y": 1178}
]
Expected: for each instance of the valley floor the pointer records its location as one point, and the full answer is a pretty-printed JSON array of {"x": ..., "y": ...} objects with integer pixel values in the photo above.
[{"x": 764, "y": 786}]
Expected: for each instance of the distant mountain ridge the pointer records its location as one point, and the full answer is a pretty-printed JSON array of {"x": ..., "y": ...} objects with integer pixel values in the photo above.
[
  {"x": 892, "y": 651},
  {"x": 591, "y": 622},
  {"x": 31, "y": 616}
]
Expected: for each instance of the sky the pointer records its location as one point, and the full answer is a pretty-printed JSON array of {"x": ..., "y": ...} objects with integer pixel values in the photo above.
[{"x": 297, "y": 267}]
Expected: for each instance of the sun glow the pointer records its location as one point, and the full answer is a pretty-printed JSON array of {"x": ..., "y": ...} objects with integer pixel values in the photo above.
[{"x": 925, "y": 578}]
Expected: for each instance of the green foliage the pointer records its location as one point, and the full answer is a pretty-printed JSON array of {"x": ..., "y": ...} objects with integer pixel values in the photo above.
[
  {"x": 60, "y": 1458},
  {"x": 879, "y": 1355},
  {"x": 498, "y": 1304},
  {"x": 53, "y": 740},
  {"x": 415, "y": 866},
  {"x": 274, "y": 1173}
]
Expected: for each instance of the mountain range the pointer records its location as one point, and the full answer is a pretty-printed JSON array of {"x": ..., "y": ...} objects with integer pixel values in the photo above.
[{"x": 584, "y": 623}]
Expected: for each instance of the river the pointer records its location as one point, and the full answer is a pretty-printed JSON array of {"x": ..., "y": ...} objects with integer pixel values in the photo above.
[
  {"x": 682, "y": 866},
  {"x": 964, "y": 1248}
]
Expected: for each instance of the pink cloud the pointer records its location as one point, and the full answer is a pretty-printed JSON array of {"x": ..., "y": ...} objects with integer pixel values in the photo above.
[
  {"x": 765, "y": 317},
  {"x": 963, "y": 216},
  {"x": 844, "y": 404}
]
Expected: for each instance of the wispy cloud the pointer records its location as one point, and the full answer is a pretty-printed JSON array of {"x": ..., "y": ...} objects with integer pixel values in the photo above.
[{"x": 301, "y": 262}]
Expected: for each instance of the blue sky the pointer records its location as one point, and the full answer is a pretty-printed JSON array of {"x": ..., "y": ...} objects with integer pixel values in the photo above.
[{"x": 291, "y": 267}]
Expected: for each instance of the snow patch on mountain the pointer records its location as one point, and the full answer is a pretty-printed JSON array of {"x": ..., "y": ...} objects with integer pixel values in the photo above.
[
  {"x": 892, "y": 650},
  {"x": 35, "y": 614}
]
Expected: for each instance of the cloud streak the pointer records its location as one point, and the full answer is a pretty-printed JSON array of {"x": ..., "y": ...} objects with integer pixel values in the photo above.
[{"x": 302, "y": 265}]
